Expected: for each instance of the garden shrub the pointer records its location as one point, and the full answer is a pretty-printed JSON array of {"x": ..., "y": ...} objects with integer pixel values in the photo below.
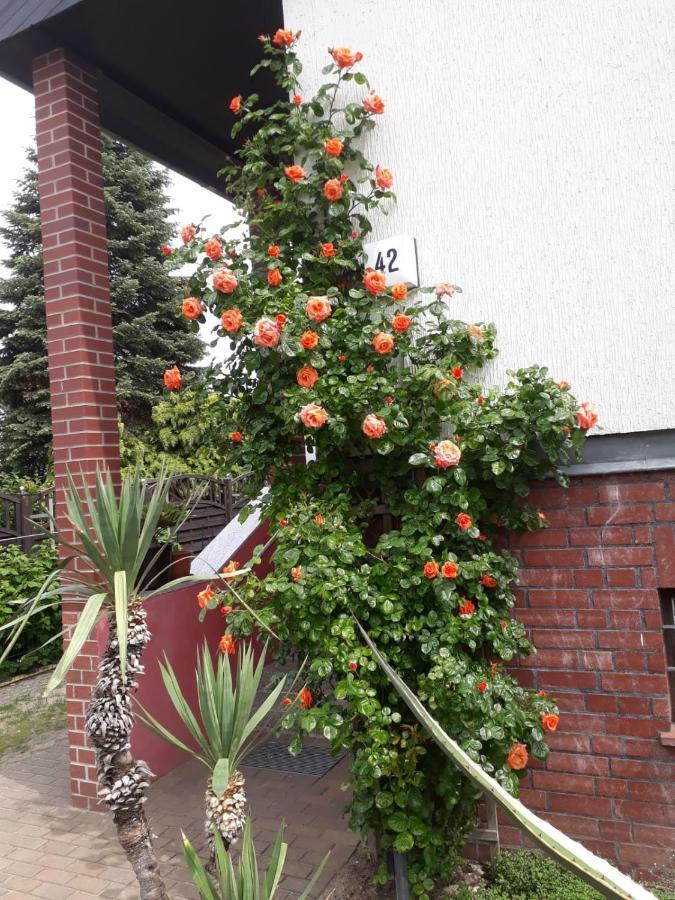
[
  {"x": 21, "y": 577},
  {"x": 418, "y": 469},
  {"x": 527, "y": 875}
]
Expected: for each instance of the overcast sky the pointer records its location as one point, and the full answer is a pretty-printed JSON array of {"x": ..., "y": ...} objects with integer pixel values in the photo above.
[{"x": 191, "y": 201}]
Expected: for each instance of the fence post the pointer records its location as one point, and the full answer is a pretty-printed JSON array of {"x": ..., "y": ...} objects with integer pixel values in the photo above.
[{"x": 24, "y": 526}]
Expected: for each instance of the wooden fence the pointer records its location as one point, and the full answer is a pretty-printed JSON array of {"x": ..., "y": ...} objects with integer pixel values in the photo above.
[{"x": 211, "y": 502}]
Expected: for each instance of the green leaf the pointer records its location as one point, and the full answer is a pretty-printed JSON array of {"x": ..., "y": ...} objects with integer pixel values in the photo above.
[
  {"x": 221, "y": 777},
  {"x": 121, "y": 617},
  {"x": 404, "y": 842},
  {"x": 418, "y": 459},
  {"x": 84, "y": 625}
]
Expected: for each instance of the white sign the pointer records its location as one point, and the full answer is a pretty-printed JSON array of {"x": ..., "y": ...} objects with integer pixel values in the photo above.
[{"x": 396, "y": 258}]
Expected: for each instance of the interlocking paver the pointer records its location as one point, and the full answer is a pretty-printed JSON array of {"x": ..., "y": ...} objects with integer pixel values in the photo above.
[{"x": 52, "y": 851}]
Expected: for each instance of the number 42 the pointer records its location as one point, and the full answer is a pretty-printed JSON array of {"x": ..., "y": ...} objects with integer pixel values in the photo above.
[{"x": 392, "y": 253}]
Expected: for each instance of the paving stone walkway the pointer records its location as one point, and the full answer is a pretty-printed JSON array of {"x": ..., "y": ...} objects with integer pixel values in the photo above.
[{"x": 49, "y": 849}]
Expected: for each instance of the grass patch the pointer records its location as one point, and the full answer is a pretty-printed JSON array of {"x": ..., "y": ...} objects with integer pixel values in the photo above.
[
  {"x": 26, "y": 718},
  {"x": 527, "y": 875}
]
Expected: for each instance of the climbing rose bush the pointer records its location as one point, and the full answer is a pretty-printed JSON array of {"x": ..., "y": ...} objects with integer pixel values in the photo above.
[{"x": 419, "y": 472}]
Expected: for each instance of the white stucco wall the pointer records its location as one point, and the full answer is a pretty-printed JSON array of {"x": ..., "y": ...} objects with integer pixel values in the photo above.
[{"x": 532, "y": 146}]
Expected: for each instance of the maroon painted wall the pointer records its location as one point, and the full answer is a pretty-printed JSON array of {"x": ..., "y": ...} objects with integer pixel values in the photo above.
[{"x": 173, "y": 619}]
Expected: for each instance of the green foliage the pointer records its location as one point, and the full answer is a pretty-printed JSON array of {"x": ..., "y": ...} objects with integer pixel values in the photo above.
[
  {"x": 594, "y": 870},
  {"x": 20, "y": 577},
  {"x": 246, "y": 882},
  {"x": 525, "y": 875},
  {"x": 386, "y": 505},
  {"x": 113, "y": 532},
  {"x": 185, "y": 435},
  {"x": 149, "y": 334}
]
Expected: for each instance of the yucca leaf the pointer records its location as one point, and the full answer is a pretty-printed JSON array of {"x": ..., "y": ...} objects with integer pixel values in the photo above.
[
  {"x": 248, "y": 866},
  {"x": 152, "y": 724},
  {"x": 225, "y": 869},
  {"x": 315, "y": 877},
  {"x": 221, "y": 777},
  {"x": 207, "y": 688},
  {"x": 182, "y": 707},
  {"x": 84, "y": 625},
  {"x": 121, "y": 617},
  {"x": 276, "y": 865},
  {"x": 199, "y": 874},
  {"x": 592, "y": 869}
]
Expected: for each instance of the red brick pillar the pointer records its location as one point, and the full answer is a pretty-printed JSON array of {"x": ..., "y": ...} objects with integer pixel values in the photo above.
[{"x": 79, "y": 326}]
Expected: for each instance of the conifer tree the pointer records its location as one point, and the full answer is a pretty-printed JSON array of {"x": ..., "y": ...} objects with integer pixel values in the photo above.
[{"x": 149, "y": 333}]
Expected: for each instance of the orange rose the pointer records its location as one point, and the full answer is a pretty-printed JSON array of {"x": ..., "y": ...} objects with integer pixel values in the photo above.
[
  {"x": 374, "y": 426},
  {"x": 319, "y": 519},
  {"x": 294, "y": 173},
  {"x": 173, "y": 378},
  {"x": 383, "y": 178},
  {"x": 225, "y": 281},
  {"x": 235, "y": 104},
  {"x": 284, "y": 38},
  {"x": 399, "y": 291},
  {"x": 273, "y": 250},
  {"x": 383, "y": 343},
  {"x": 373, "y": 105},
  {"x": 274, "y": 277},
  {"x": 375, "y": 282},
  {"x": 475, "y": 331},
  {"x": 333, "y": 146},
  {"x": 227, "y": 644},
  {"x": 297, "y": 100},
  {"x": 192, "y": 308},
  {"x": 430, "y": 570},
  {"x": 464, "y": 521},
  {"x": 309, "y": 340},
  {"x": 466, "y": 609},
  {"x": 306, "y": 699},
  {"x": 231, "y": 320},
  {"x": 328, "y": 250},
  {"x": 446, "y": 454},
  {"x": 401, "y": 323},
  {"x": 204, "y": 597},
  {"x": 488, "y": 581},
  {"x": 457, "y": 372},
  {"x": 550, "y": 721},
  {"x": 235, "y": 437},
  {"x": 332, "y": 190},
  {"x": 517, "y": 758},
  {"x": 188, "y": 233},
  {"x": 313, "y": 416},
  {"x": 307, "y": 376},
  {"x": 296, "y": 573},
  {"x": 587, "y": 416},
  {"x": 266, "y": 333},
  {"x": 563, "y": 385},
  {"x": 318, "y": 308},
  {"x": 232, "y": 566},
  {"x": 213, "y": 249},
  {"x": 449, "y": 569},
  {"x": 344, "y": 57}
]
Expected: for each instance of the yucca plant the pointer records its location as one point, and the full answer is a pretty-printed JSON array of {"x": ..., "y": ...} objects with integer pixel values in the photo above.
[
  {"x": 592, "y": 869},
  {"x": 224, "y": 733},
  {"x": 111, "y": 555},
  {"x": 246, "y": 883}
]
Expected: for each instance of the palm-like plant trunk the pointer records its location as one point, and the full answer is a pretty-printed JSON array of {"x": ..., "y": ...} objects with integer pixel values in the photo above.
[
  {"x": 225, "y": 814},
  {"x": 122, "y": 780}
]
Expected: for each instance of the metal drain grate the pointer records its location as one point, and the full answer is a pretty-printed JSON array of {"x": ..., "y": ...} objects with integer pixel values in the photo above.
[{"x": 311, "y": 760}]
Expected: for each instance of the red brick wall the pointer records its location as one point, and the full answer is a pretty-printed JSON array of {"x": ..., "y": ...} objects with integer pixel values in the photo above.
[
  {"x": 79, "y": 326},
  {"x": 589, "y": 598}
]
